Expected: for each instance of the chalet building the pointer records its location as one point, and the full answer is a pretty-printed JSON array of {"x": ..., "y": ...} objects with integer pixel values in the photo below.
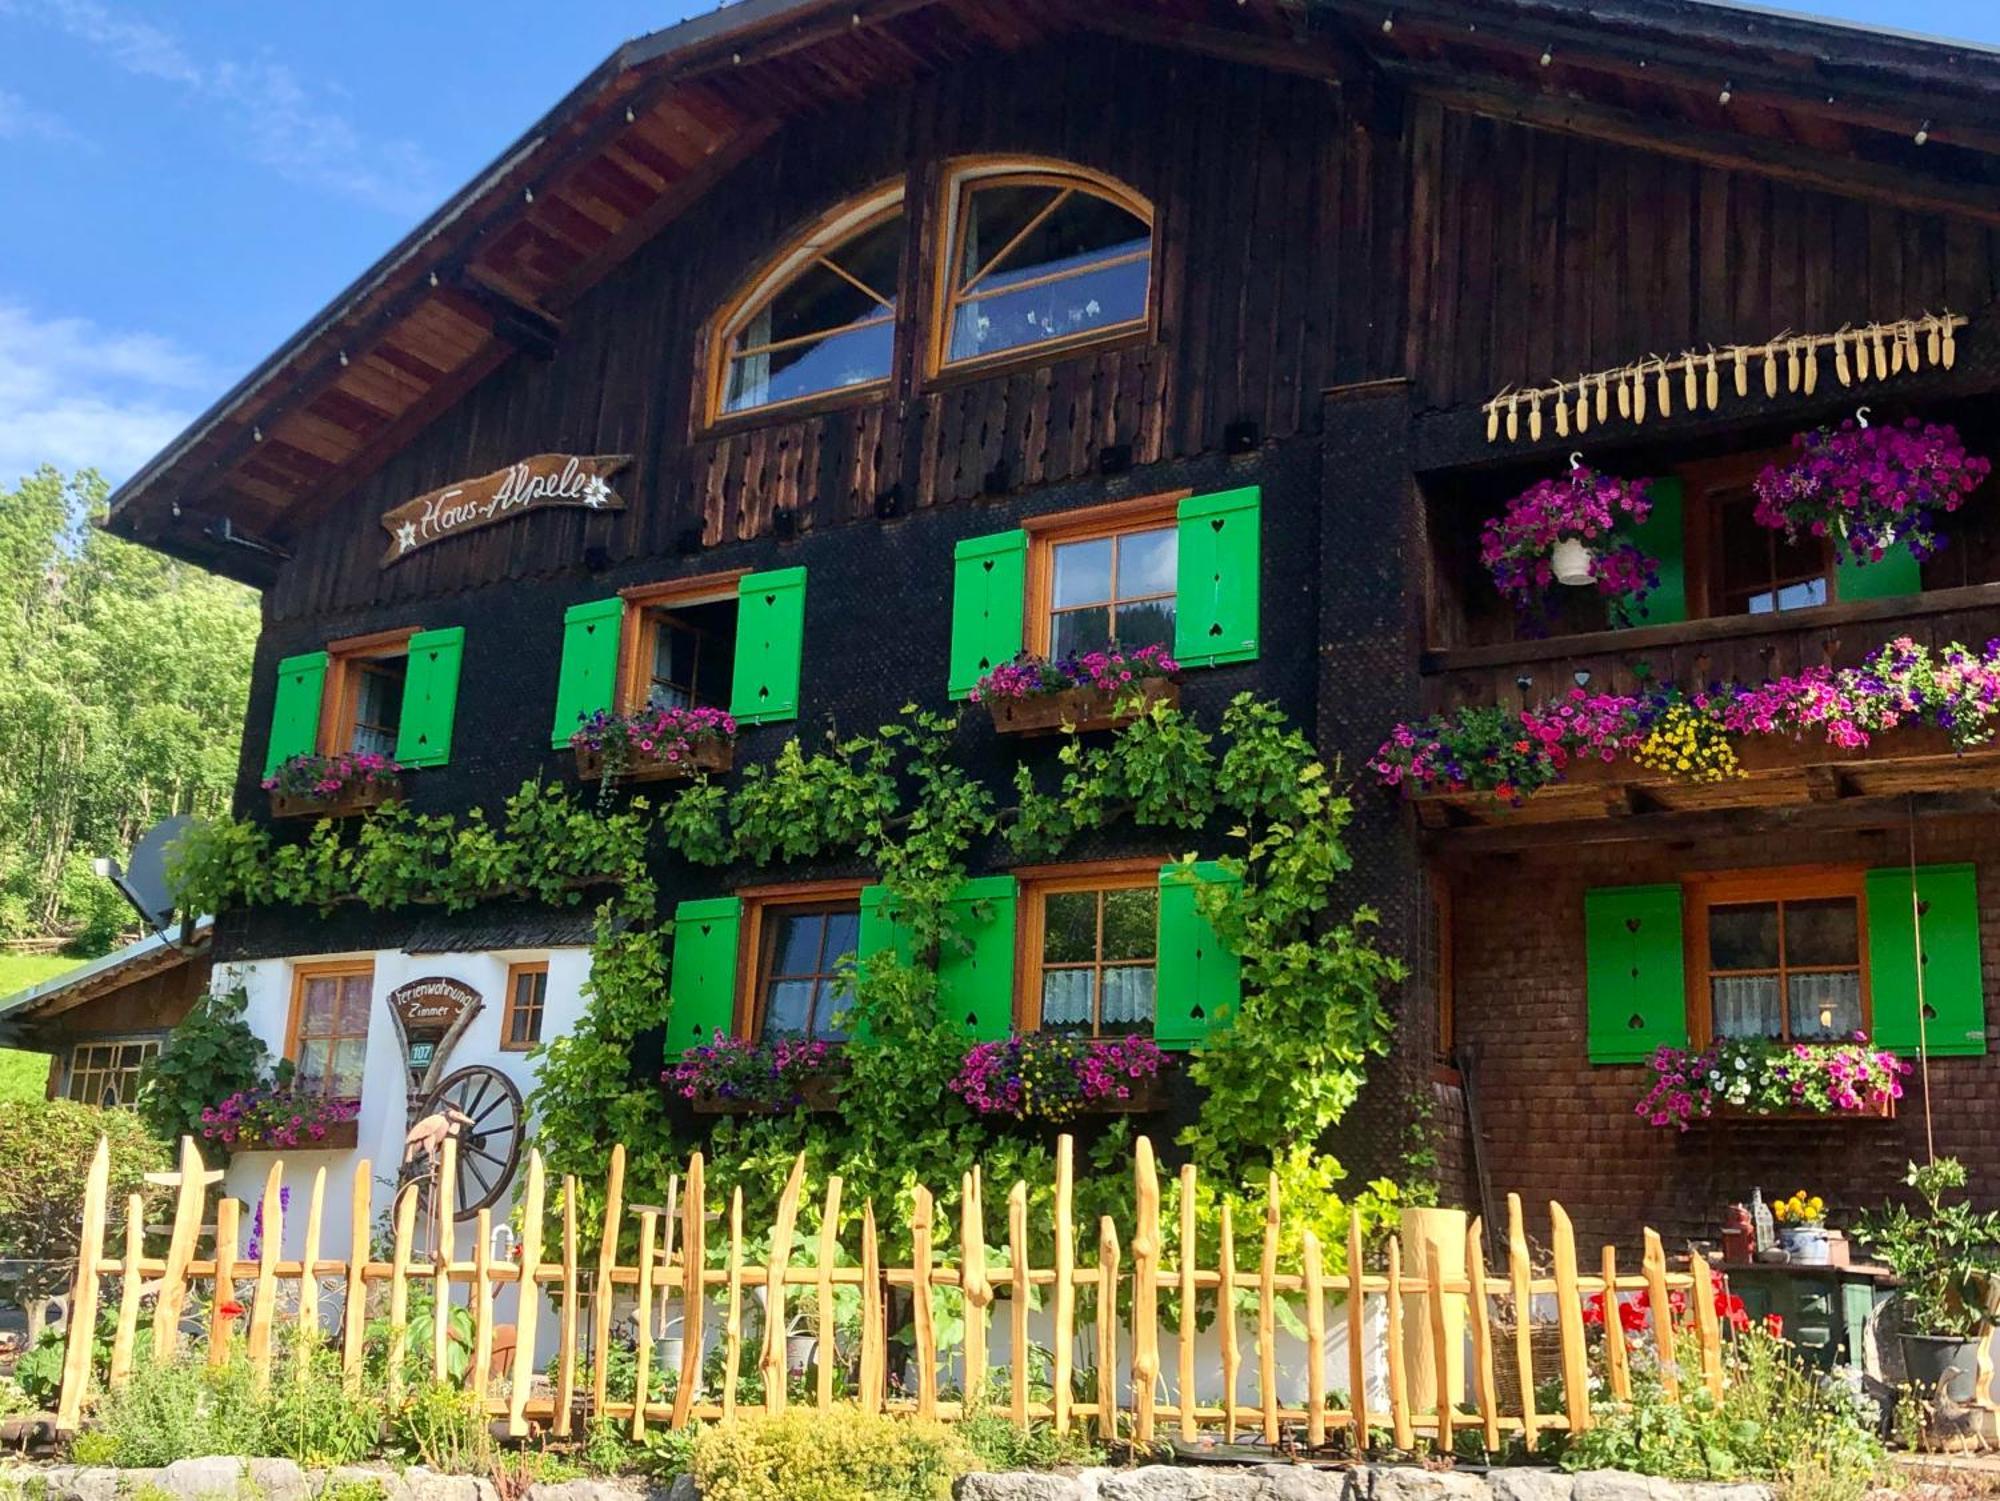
[{"x": 892, "y": 337}]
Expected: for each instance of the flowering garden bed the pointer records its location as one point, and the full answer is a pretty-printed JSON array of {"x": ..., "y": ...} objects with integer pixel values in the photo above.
[{"x": 1093, "y": 691}]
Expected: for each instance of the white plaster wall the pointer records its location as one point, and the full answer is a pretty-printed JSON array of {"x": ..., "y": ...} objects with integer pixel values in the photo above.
[{"x": 385, "y": 1087}]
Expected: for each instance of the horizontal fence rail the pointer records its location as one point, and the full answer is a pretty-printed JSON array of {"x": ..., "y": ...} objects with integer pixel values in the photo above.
[{"x": 1441, "y": 1322}]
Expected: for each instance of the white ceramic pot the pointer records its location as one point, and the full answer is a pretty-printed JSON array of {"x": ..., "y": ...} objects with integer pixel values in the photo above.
[
  {"x": 1572, "y": 562},
  {"x": 1805, "y": 1244}
]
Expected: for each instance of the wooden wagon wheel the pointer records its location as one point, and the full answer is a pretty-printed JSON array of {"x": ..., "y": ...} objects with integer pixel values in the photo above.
[{"x": 489, "y": 1142}]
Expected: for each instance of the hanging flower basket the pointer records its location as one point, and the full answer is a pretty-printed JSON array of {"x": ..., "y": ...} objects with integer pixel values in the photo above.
[
  {"x": 654, "y": 745},
  {"x": 1871, "y": 487},
  {"x": 337, "y": 786},
  {"x": 1565, "y": 531},
  {"x": 1092, "y": 691}
]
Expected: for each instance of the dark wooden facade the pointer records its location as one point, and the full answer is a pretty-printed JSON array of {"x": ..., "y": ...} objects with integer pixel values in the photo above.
[{"x": 1363, "y": 233}]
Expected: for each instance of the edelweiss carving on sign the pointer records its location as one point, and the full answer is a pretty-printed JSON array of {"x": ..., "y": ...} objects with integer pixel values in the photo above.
[{"x": 547, "y": 479}]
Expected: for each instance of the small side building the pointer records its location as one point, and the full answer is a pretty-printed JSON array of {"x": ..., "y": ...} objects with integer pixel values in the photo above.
[{"x": 101, "y": 1021}]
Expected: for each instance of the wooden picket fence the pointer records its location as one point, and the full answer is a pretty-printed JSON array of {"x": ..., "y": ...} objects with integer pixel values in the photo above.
[{"x": 1496, "y": 1307}]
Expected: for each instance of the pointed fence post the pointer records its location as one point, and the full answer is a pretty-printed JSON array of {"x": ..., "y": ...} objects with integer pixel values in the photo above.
[
  {"x": 1569, "y": 1316},
  {"x": 1145, "y": 1291},
  {"x": 192, "y": 1183},
  {"x": 354, "y": 1312},
  {"x": 83, "y": 1298},
  {"x": 133, "y": 1282},
  {"x": 527, "y": 1297},
  {"x": 221, "y": 1326},
  {"x": 978, "y": 1291}
]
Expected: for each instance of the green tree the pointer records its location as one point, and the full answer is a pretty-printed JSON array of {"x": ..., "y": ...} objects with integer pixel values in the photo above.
[{"x": 123, "y": 680}]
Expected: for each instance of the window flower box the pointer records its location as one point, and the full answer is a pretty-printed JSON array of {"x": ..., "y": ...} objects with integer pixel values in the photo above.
[
  {"x": 336, "y": 786},
  {"x": 1094, "y": 691},
  {"x": 734, "y": 1076},
  {"x": 1050, "y": 1077},
  {"x": 268, "y": 1119},
  {"x": 1759, "y": 1080},
  {"x": 654, "y": 745}
]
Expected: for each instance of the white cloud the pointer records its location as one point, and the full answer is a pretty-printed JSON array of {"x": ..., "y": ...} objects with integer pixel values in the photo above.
[
  {"x": 268, "y": 113},
  {"x": 21, "y": 121},
  {"x": 78, "y": 396}
]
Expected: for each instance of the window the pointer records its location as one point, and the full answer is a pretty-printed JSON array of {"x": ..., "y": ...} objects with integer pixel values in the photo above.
[
  {"x": 680, "y": 644},
  {"x": 1092, "y": 944},
  {"x": 1104, "y": 575},
  {"x": 1780, "y": 955},
  {"x": 107, "y": 1073},
  {"x": 364, "y": 693},
  {"x": 527, "y": 999},
  {"x": 1036, "y": 256},
  {"x": 797, "y": 944},
  {"x": 328, "y": 1045},
  {"x": 822, "y": 320},
  {"x": 1739, "y": 567}
]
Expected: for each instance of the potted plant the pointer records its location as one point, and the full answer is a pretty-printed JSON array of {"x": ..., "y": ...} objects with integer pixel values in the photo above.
[
  {"x": 1096, "y": 690},
  {"x": 1802, "y": 1227},
  {"x": 1056, "y": 1078},
  {"x": 1871, "y": 487},
  {"x": 1763, "y": 1079},
  {"x": 335, "y": 786},
  {"x": 1945, "y": 1256},
  {"x": 1565, "y": 531},
  {"x": 653, "y": 745}
]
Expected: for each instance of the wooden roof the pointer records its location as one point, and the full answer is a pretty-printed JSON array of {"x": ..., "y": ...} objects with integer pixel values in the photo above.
[{"x": 492, "y": 272}]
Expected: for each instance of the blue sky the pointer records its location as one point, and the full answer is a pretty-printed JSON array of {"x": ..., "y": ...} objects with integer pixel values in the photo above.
[{"x": 185, "y": 183}]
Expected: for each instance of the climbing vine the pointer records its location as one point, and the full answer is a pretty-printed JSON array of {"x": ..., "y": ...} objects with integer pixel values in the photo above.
[{"x": 903, "y": 801}]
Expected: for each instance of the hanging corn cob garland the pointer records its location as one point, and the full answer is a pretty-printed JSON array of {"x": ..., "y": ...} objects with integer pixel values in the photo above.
[{"x": 1790, "y": 362}]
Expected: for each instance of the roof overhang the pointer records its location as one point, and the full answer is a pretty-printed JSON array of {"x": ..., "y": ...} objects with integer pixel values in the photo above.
[{"x": 492, "y": 272}]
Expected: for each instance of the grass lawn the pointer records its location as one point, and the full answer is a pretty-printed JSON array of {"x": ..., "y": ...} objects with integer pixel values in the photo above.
[{"x": 25, "y": 1076}]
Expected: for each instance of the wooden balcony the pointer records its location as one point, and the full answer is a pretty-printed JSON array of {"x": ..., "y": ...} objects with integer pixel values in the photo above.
[{"x": 1785, "y": 782}]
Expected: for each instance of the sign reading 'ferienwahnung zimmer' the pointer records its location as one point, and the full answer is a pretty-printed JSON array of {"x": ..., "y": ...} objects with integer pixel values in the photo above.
[{"x": 547, "y": 479}]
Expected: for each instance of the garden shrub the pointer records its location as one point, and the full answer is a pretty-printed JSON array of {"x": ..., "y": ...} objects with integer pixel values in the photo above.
[
  {"x": 312, "y": 1417},
  {"x": 840, "y": 1455},
  {"x": 165, "y": 1413},
  {"x": 444, "y": 1427},
  {"x": 1778, "y": 1420},
  {"x": 998, "y": 1444}
]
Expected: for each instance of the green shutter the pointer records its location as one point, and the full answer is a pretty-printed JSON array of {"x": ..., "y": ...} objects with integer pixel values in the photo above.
[
  {"x": 880, "y": 933},
  {"x": 1954, "y": 988},
  {"x": 988, "y": 592},
  {"x": 295, "y": 710},
  {"x": 1215, "y": 618},
  {"x": 702, "y": 985},
  {"x": 770, "y": 639},
  {"x": 1893, "y": 575},
  {"x": 976, "y": 974},
  {"x": 1635, "y": 972},
  {"x": 430, "y": 697},
  {"x": 1663, "y": 537},
  {"x": 1199, "y": 980},
  {"x": 589, "y": 680}
]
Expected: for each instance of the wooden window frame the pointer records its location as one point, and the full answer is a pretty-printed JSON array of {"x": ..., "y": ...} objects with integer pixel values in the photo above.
[
  {"x": 855, "y": 217},
  {"x": 961, "y": 179},
  {"x": 1701, "y": 539},
  {"x": 1145, "y": 513},
  {"x": 1708, "y": 889},
  {"x": 67, "y": 1082},
  {"x": 341, "y": 692},
  {"x": 302, "y": 974},
  {"x": 758, "y": 903},
  {"x": 509, "y": 1008},
  {"x": 637, "y": 626},
  {"x": 1036, "y": 884}
]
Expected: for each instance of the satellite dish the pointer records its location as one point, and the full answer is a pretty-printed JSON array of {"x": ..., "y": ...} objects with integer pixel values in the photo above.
[{"x": 144, "y": 880}]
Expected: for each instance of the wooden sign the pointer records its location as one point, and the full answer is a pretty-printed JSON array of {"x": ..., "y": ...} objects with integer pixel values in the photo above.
[
  {"x": 431, "y": 1013},
  {"x": 547, "y": 479}
]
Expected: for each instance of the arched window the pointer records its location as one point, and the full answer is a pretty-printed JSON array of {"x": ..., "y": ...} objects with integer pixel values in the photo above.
[
  {"x": 1040, "y": 254},
  {"x": 822, "y": 319}
]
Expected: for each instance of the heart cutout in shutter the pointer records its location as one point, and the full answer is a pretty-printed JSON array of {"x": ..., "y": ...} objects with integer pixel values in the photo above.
[
  {"x": 971, "y": 1020},
  {"x": 1215, "y": 524},
  {"x": 1631, "y": 924},
  {"x": 1195, "y": 1013},
  {"x": 770, "y": 599},
  {"x": 987, "y": 566},
  {"x": 1637, "y": 1023},
  {"x": 1930, "y": 1012},
  {"x": 1923, "y": 907}
]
